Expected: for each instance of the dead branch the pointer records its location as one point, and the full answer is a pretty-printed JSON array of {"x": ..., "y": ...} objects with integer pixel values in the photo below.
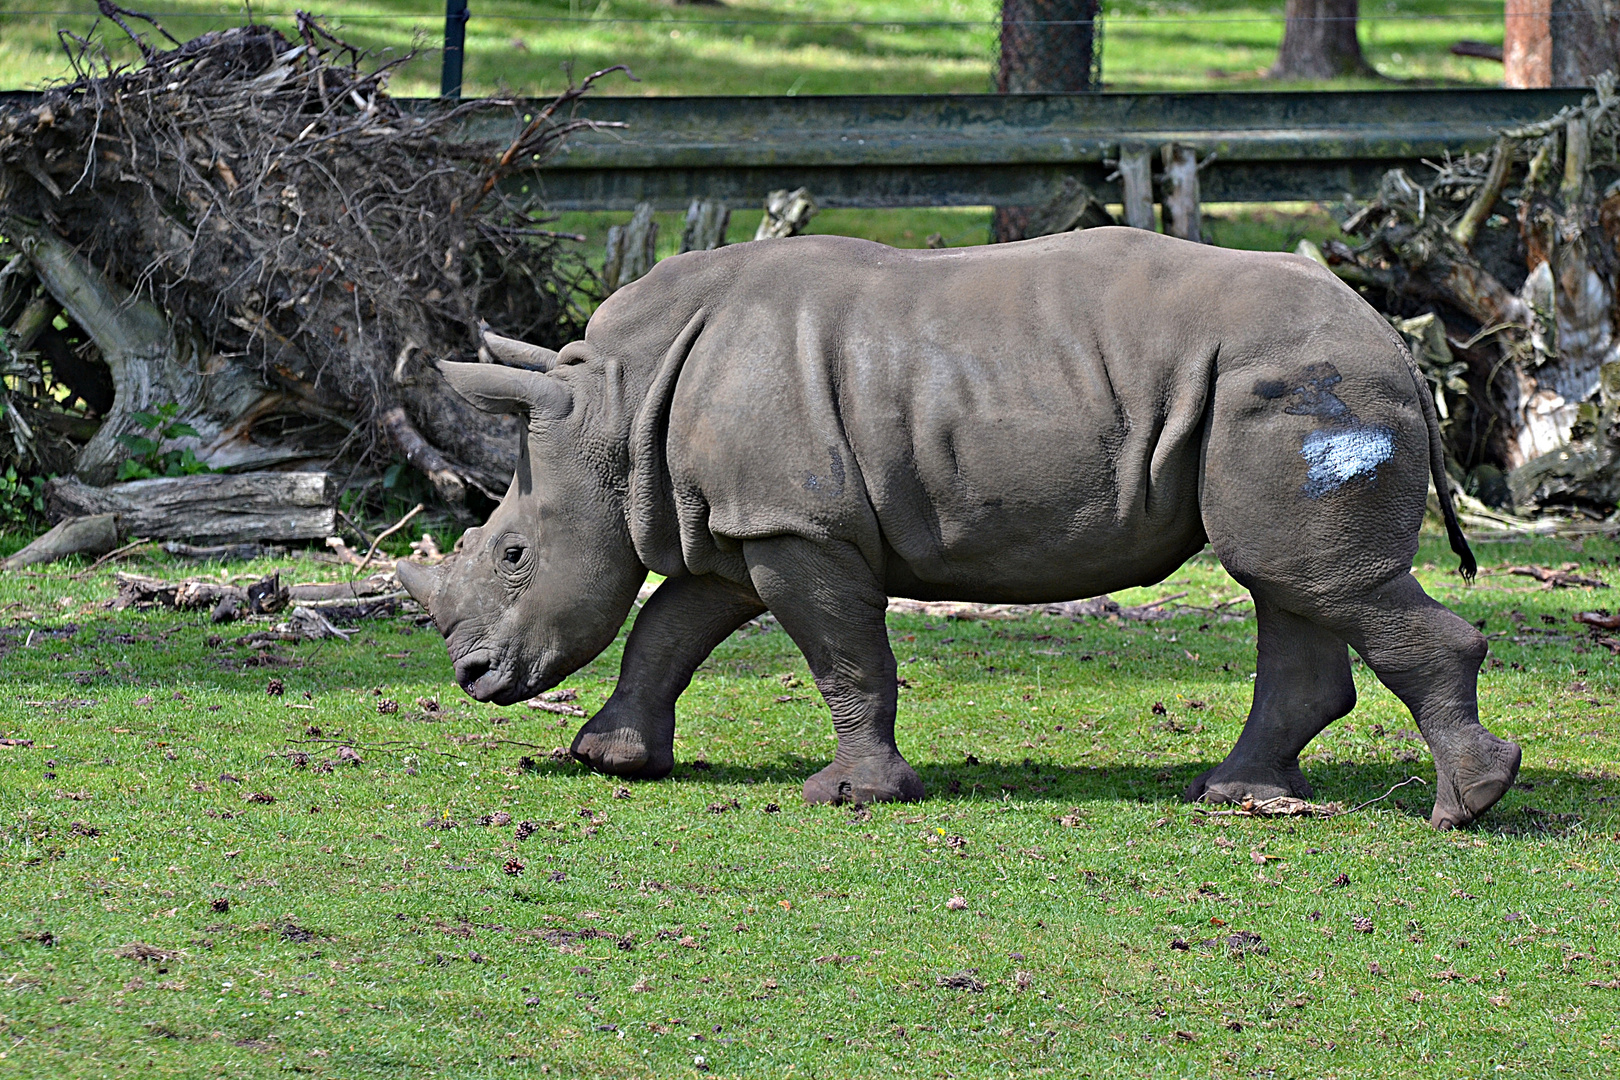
[{"x": 256, "y": 230}]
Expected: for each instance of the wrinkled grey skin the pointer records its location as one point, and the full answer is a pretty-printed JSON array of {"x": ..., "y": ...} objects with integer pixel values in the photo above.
[{"x": 810, "y": 426}]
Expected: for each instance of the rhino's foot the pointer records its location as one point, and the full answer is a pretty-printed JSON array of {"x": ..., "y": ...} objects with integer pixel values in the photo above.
[
  {"x": 1472, "y": 783},
  {"x": 1236, "y": 782},
  {"x": 620, "y": 749},
  {"x": 868, "y": 780}
]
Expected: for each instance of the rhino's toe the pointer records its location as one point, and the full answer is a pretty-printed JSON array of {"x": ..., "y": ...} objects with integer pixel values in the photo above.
[
  {"x": 621, "y": 752},
  {"x": 1231, "y": 782},
  {"x": 865, "y": 781},
  {"x": 1480, "y": 777}
]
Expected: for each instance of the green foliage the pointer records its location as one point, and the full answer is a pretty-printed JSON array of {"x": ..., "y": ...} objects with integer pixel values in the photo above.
[
  {"x": 150, "y": 458},
  {"x": 796, "y": 941},
  {"x": 378, "y": 502},
  {"x": 22, "y": 498}
]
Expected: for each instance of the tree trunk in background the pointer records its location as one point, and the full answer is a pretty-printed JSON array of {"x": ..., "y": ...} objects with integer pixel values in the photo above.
[
  {"x": 1526, "y": 45},
  {"x": 1046, "y": 46},
  {"x": 1319, "y": 42},
  {"x": 1585, "y": 40}
]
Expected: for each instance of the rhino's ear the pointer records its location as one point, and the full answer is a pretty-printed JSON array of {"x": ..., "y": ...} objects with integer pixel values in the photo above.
[
  {"x": 498, "y": 389},
  {"x": 492, "y": 348}
]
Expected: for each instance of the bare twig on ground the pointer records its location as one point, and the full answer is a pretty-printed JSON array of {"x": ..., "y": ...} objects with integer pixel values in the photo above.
[
  {"x": 1287, "y": 806},
  {"x": 385, "y": 534}
]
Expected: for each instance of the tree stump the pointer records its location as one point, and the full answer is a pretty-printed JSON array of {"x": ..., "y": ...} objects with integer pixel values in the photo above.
[
  {"x": 787, "y": 213},
  {"x": 1136, "y": 182},
  {"x": 1073, "y": 207},
  {"x": 631, "y": 249},
  {"x": 1183, "y": 217},
  {"x": 706, "y": 222}
]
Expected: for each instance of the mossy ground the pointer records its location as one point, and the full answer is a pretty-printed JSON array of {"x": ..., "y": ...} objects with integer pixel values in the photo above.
[{"x": 714, "y": 915}]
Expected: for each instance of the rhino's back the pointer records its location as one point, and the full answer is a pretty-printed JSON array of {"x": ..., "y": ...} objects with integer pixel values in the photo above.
[{"x": 1010, "y": 422}]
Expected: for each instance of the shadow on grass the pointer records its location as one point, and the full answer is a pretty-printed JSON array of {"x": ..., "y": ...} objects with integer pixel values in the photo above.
[{"x": 1544, "y": 802}]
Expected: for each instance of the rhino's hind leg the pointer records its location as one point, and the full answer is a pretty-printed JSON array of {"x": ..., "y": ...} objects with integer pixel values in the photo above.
[
  {"x": 831, "y": 604},
  {"x": 1302, "y": 685},
  {"x": 681, "y": 623},
  {"x": 1430, "y": 659}
]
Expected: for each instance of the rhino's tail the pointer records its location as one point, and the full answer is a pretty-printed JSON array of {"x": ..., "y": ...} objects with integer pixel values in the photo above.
[{"x": 1442, "y": 485}]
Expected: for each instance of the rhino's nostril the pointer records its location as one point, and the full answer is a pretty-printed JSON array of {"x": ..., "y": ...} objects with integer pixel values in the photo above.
[{"x": 469, "y": 669}]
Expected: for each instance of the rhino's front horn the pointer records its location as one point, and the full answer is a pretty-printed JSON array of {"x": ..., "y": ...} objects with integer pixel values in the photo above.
[
  {"x": 494, "y": 349},
  {"x": 419, "y": 581}
]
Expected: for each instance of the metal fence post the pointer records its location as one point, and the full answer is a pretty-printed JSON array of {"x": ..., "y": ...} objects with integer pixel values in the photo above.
[{"x": 455, "y": 47}]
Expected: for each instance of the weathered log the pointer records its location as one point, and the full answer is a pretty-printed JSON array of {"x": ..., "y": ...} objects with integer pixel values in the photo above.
[
  {"x": 1183, "y": 216},
  {"x": 1577, "y": 156},
  {"x": 211, "y": 506},
  {"x": 706, "y": 222},
  {"x": 1587, "y": 470},
  {"x": 787, "y": 213},
  {"x": 31, "y": 322},
  {"x": 1136, "y": 183},
  {"x": 423, "y": 456},
  {"x": 1073, "y": 207},
  {"x": 135, "y": 341},
  {"x": 224, "y": 552},
  {"x": 1484, "y": 203},
  {"x": 96, "y": 534},
  {"x": 139, "y": 590},
  {"x": 631, "y": 249}
]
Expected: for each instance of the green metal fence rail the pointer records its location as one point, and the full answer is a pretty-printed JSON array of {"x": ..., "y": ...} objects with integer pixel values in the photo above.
[{"x": 1009, "y": 150}]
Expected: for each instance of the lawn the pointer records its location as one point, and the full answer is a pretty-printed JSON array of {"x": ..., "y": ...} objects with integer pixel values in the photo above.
[
  {"x": 800, "y": 46},
  {"x": 369, "y": 874},
  {"x": 160, "y": 914}
]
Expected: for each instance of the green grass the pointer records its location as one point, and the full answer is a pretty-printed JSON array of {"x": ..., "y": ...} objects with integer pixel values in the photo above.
[
  {"x": 802, "y": 46},
  {"x": 1278, "y": 227},
  {"x": 775, "y": 939}
]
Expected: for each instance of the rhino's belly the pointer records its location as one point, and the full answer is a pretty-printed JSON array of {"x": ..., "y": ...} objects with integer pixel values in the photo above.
[
  {"x": 1034, "y": 520},
  {"x": 1032, "y": 570}
]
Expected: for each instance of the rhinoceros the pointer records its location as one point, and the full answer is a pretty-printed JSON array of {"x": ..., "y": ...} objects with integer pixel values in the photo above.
[{"x": 810, "y": 426}]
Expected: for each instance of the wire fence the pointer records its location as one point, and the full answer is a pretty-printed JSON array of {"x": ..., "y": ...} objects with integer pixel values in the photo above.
[
  {"x": 697, "y": 19},
  {"x": 1054, "y": 44}
]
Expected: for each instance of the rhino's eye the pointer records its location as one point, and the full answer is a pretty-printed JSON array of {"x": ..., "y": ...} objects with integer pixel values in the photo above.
[{"x": 512, "y": 556}]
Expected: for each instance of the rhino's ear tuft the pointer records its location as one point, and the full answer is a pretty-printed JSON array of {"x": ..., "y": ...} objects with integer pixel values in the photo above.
[
  {"x": 514, "y": 353},
  {"x": 497, "y": 389}
]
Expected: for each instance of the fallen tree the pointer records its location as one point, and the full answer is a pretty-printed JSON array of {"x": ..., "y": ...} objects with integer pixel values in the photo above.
[
  {"x": 1501, "y": 270},
  {"x": 250, "y": 232}
]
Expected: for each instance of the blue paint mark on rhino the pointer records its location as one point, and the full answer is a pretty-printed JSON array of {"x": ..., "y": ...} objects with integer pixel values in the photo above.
[
  {"x": 1345, "y": 450},
  {"x": 1337, "y": 456}
]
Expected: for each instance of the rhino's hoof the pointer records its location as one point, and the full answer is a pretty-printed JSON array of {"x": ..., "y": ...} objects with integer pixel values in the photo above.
[
  {"x": 1229, "y": 783},
  {"x": 866, "y": 781},
  {"x": 622, "y": 752},
  {"x": 1479, "y": 778}
]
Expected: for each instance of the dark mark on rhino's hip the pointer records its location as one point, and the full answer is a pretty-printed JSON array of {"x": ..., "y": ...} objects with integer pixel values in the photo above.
[
  {"x": 833, "y": 486},
  {"x": 1336, "y": 455}
]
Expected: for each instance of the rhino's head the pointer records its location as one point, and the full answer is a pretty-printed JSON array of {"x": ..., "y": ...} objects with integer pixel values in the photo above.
[{"x": 543, "y": 586}]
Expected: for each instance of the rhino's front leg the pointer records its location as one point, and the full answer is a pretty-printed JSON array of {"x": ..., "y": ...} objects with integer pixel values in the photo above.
[
  {"x": 680, "y": 624},
  {"x": 831, "y": 604}
]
